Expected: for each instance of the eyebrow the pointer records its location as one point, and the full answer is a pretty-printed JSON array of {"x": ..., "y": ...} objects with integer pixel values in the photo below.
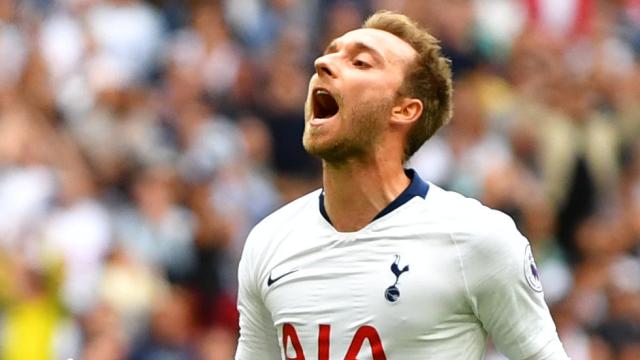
[{"x": 357, "y": 46}]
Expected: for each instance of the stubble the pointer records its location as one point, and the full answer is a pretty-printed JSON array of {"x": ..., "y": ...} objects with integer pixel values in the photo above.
[{"x": 356, "y": 136}]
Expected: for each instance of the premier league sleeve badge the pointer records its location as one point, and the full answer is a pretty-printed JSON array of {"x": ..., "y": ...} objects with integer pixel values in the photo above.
[{"x": 531, "y": 271}]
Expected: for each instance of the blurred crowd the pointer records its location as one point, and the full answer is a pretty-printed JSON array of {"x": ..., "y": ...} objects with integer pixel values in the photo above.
[{"x": 141, "y": 140}]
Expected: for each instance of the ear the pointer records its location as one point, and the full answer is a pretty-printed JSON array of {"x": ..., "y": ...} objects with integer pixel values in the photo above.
[{"x": 406, "y": 111}]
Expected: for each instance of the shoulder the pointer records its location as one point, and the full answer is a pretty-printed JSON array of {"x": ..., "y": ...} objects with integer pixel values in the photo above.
[
  {"x": 283, "y": 219},
  {"x": 265, "y": 241},
  {"x": 492, "y": 252},
  {"x": 468, "y": 211},
  {"x": 475, "y": 228}
]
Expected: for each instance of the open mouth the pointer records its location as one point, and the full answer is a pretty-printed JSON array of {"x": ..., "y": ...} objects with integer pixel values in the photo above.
[{"x": 324, "y": 104}]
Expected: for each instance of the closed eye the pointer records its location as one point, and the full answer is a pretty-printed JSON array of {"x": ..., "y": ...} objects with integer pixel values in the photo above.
[{"x": 361, "y": 64}]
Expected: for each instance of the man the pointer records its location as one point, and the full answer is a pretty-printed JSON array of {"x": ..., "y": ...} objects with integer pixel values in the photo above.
[{"x": 380, "y": 264}]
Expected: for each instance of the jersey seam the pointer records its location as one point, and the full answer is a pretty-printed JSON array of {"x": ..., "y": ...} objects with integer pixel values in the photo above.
[{"x": 464, "y": 277}]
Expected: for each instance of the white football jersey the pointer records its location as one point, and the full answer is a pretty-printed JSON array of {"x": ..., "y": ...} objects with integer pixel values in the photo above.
[{"x": 431, "y": 277}]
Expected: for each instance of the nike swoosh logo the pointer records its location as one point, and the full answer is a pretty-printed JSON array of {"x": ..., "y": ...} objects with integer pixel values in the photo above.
[{"x": 270, "y": 281}]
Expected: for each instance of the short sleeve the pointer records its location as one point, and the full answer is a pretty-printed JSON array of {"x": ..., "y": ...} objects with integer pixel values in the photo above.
[
  {"x": 506, "y": 294},
  {"x": 258, "y": 337}
]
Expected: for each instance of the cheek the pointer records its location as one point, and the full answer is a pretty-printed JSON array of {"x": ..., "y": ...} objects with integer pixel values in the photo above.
[{"x": 370, "y": 92}]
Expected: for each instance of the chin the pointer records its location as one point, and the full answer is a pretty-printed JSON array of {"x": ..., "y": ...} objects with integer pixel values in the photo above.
[
  {"x": 331, "y": 151},
  {"x": 312, "y": 145}
]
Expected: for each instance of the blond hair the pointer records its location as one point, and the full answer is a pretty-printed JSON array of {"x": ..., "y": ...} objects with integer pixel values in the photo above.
[{"x": 427, "y": 79}]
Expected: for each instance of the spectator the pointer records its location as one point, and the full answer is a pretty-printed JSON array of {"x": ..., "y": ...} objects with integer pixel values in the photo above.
[{"x": 158, "y": 231}]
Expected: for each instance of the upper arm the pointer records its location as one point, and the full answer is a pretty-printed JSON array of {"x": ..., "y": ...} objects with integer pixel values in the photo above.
[
  {"x": 258, "y": 337},
  {"x": 506, "y": 296}
]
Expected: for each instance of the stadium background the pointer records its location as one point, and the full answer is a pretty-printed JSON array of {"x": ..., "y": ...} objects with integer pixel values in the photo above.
[{"x": 141, "y": 140}]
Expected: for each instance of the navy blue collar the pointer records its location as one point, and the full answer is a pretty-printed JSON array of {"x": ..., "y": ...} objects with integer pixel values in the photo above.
[{"x": 417, "y": 187}]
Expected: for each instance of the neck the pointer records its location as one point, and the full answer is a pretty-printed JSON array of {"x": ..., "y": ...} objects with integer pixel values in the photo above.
[{"x": 356, "y": 191}]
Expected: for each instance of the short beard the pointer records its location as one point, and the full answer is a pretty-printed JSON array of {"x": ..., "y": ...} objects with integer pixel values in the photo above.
[{"x": 366, "y": 123}]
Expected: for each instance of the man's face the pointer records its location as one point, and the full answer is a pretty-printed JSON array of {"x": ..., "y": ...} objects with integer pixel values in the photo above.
[{"x": 352, "y": 93}]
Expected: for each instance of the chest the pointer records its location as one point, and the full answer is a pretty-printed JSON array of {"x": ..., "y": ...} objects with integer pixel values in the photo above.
[{"x": 410, "y": 284}]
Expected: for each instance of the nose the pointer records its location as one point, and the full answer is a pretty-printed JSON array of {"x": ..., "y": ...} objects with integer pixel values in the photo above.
[{"x": 324, "y": 67}]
